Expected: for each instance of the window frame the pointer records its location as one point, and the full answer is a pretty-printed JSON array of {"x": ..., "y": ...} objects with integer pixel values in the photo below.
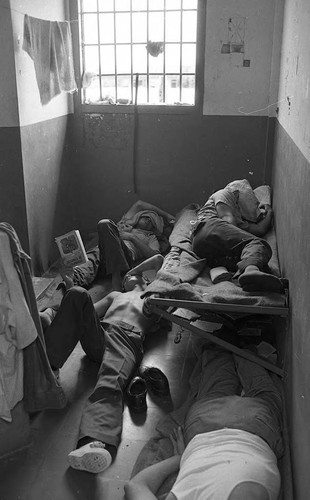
[{"x": 79, "y": 107}]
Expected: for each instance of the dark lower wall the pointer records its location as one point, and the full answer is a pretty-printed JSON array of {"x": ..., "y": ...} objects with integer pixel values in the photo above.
[
  {"x": 180, "y": 158},
  {"x": 12, "y": 194},
  {"x": 291, "y": 201},
  {"x": 48, "y": 188}
]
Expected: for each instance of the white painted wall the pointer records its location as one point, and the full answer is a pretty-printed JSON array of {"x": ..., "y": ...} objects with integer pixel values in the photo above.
[
  {"x": 30, "y": 108},
  {"x": 294, "y": 88},
  {"x": 231, "y": 88},
  {"x": 8, "y": 91}
]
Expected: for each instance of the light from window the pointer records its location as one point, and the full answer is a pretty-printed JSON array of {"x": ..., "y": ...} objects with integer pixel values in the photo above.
[{"x": 151, "y": 43}]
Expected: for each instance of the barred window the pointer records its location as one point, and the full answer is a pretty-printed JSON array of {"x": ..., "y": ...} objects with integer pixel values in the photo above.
[{"x": 138, "y": 51}]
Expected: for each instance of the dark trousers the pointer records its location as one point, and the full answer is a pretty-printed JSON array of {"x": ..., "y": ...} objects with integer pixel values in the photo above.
[
  {"x": 218, "y": 404},
  {"x": 109, "y": 257},
  {"x": 223, "y": 244},
  {"x": 116, "y": 347}
]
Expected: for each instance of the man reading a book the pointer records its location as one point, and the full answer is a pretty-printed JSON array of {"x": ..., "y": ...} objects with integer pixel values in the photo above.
[{"x": 141, "y": 233}]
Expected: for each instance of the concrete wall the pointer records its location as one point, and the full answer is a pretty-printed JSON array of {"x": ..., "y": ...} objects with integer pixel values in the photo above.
[
  {"x": 291, "y": 185},
  {"x": 12, "y": 207},
  {"x": 242, "y": 44},
  {"x": 43, "y": 140}
]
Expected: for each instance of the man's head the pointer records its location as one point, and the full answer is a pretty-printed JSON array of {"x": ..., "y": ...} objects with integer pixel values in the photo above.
[
  {"x": 132, "y": 281},
  {"x": 145, "y": 223}
]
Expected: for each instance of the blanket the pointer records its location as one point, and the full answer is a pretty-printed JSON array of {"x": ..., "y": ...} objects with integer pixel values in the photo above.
[{"x": 185, "y": 276}]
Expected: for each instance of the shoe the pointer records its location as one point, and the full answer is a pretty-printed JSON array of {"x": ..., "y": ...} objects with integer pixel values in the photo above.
[
  {"x": 92, "y": 457},
  {"x": 156, "y": 380},
  {"x": 136, "y": 395}
]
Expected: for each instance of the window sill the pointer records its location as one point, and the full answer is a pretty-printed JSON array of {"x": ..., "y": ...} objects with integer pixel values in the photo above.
[{"x": 128, "y": 109}]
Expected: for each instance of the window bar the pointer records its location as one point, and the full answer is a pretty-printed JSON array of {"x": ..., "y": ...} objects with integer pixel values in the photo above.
[
  {"x": 131, "y": 60},
  {"x": 83, "y": 46},
  {"x": 99, "y": 52},
  {"x": 181, "y": 52},
  {"x": 115, "y": 65},
  {"x": 147, "y": 55},
  {"x": 164, "y": 69}
]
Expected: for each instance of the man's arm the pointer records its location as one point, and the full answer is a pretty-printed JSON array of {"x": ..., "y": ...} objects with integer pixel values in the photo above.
[
  {"x": 103, "y": 305},
  {"x": 152, "y": 263},
  {"x": 225, "y": 213},
  {"x": 146, "y": 483},
  {"x": 140, "y": 205},
  {"x": 143, "y": 249},
  {"x": 261, "y": 227},
  {"x": 258, "y": 229}
]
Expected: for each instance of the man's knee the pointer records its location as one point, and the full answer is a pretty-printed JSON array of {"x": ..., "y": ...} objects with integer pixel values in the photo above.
[
  {"x": 105, "y": 225},
  {"x": 76, "y": 295}
]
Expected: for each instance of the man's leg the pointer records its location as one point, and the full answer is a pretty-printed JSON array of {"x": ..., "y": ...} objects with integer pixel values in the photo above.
[
  {"x": 219, "y": 379},
  {"x": 114, "y": 255},
  {"x": 219, "y": 241},
  {"x": 102, "y": 418},
  {"x": 76, "y": 320},
  {"x": 257, "y": 383}
]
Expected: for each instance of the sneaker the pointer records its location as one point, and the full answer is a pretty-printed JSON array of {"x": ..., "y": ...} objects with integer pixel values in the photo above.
[{"x": 92, "y": 457}]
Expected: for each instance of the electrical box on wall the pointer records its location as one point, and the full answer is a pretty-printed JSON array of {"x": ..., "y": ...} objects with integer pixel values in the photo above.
[{"x": 246, "y": 63}]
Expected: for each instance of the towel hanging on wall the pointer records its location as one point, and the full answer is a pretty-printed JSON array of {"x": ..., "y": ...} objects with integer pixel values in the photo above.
[{"x": 49, "y": 45}]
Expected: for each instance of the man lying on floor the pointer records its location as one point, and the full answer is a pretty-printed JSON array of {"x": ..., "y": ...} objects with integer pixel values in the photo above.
[
  {"x": 232, "y": 442},
  {"x": 229, "y": 242},
  {"x": 115, "y": 342},
  {"x": 139, "y": 235}
]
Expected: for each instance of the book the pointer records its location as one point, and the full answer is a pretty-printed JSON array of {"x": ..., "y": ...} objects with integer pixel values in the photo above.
[{"x": 71, "y": 248}]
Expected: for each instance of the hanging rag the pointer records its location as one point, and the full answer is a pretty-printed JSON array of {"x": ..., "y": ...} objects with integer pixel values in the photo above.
[
  {"x": 41, "y": 388},
  {"x": 49, "y": 45}
]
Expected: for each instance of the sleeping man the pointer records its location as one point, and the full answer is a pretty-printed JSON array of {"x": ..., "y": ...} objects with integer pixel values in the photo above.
[
  {"x": 229, "y": 446},
  {"x": 136, "y": 237},
  {"x": 227, "y": 240}
]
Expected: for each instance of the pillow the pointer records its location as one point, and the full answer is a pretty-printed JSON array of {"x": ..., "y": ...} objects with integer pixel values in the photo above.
[
  {"x": 263, "y": 194},
  {"x": 248, "y": 203}
]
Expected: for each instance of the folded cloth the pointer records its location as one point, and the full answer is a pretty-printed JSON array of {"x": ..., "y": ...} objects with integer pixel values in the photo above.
[{"x": 49, "y": 45}]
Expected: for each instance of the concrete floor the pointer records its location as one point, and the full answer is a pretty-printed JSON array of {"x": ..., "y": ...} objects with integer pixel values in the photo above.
[{"x": 41, "y": 472}]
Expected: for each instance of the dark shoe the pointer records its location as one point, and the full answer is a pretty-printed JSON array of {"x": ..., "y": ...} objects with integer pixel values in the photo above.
[
  {"x": 136, "y": 395},
  {"x": 156, "y": 380}
]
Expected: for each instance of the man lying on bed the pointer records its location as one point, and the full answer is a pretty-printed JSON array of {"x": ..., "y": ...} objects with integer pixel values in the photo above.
[
  {"x": 231, "y": 442},
  {"x": 226, "y": 239},
  {"x": 139, "y": 234}
]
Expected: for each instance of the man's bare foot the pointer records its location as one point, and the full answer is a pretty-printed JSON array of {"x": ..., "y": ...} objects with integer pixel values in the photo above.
[{"x": 257, "y": 281}]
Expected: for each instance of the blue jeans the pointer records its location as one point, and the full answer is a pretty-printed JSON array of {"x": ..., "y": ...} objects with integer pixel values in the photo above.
[
  {"x": 224, "y": 244},
  {"x": 116, "y": 347},
  {"x": 219, "y": 405}
]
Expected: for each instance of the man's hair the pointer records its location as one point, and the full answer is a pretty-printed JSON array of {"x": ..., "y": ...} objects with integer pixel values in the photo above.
[{"x": 146, "y": 280}]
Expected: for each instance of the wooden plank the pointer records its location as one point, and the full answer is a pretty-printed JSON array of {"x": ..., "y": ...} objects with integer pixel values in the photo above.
[
  {"x": 216, "y": 340},
  {"x": 224, "y": 308}
]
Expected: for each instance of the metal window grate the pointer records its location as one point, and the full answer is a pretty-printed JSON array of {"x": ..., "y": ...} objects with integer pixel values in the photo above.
[{"x": 155, "y": 39}]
